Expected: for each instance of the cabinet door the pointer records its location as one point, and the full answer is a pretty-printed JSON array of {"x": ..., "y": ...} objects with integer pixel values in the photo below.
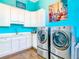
[
  {"x": 34, "y": 40},
  {"x": 14, "y": 16},
  {"x": 34, "y": 19},
  {"x": 15, "y": 44},
  {"x": 29, "y": 40},
  {"x": 5, "y": 46},
  {"x": 20, "y": 16},
  {"x": 23, "y": 42},
  {"x": 27, "y": 22},
  {"x": 17, "y": 15},
  {"x": 41, "y": 17},
  {"x": 4, "y": 15}
]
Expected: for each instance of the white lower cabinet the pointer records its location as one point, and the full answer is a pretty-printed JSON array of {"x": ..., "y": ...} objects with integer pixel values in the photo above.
[
  {"x": 34, "y": 40},
  {"x": 23, "y": 43},
  {"x": 15, "y": 44},
  {"x": 5, "y": 46},
  {"x": 29, "y": 40},
  {"x": 25, "y": 40},
  {"x": 18, "y": 43}
]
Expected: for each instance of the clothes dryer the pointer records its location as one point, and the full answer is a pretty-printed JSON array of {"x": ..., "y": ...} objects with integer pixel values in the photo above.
[
  {"x": 60, "y": 42},
  {"x": 42, "y": 41}
]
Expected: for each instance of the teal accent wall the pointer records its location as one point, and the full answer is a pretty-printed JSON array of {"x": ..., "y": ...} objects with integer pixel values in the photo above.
[
  {"x": 32, "y": 6},
  {"x": 9, "y": 2},
  {"x": 16, "y": 28},
  {"x": 24, "y": 1}
]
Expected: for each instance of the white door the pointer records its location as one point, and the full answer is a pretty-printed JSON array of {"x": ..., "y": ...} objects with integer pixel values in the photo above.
[
  {"x": 21, "y": 16},
  {"x": 17, "y": 15},
  {"x": 15, "y": 44},
  {"x": 4, "y": 15},
  {"x": 33, "y": 19},
  {"x": 14, "y": 16},
  {"x": 23, "y": 42},
  {"x": 29, "y": 40},
  {"x": 34, "y": 40},
  {"x": 41, "y": 18},
  {"x": 5, "y": 46},
  {"x": 27, "y": 20}
]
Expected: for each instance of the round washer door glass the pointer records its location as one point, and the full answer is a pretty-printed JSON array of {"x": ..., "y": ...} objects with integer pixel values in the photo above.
[
  {"x": 42, "y": 36},
  {"x": 61, "y": 40}
]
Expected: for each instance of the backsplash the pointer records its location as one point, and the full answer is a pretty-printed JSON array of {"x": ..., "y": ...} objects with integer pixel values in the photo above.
[{"x": 15, "y": 28}]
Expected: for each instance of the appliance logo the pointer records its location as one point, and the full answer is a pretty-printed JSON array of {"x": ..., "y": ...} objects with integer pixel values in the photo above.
[{"x": 20, "y": 5}]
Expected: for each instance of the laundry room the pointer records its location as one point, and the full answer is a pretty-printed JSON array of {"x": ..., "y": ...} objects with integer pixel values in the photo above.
[{"x": 39, "y": 29}]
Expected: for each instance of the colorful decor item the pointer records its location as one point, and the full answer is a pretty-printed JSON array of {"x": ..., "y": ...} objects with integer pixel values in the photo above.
[{"x": 58, "y": 10}]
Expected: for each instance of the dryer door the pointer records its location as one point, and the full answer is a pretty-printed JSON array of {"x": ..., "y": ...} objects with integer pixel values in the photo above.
[
  {"x": 61, "y": 40},
  {"x": 42, "y": 36}
]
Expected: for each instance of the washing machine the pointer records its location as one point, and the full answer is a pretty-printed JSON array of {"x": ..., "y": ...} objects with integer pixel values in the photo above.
[
  {"x": 60, "y": 42},
  {"x": 42, "y": 42}
]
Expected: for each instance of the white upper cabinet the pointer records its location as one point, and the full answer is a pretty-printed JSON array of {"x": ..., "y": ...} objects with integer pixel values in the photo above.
[
  {"x": 14, "y": 15},
  {"x": 17, "y": 15},
  {"x": 21, "y": 16},
  {"x": 35, "y": 19},
  {"x": 27, "y": 20},
  {"x": 4, "y": 15},
  {"x": 41, "y": 18}
]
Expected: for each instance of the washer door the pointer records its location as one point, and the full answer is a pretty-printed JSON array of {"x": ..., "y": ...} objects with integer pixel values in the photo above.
[
  {"x": 61, "y": 40},
  {"x": 42, "y": 36}
]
